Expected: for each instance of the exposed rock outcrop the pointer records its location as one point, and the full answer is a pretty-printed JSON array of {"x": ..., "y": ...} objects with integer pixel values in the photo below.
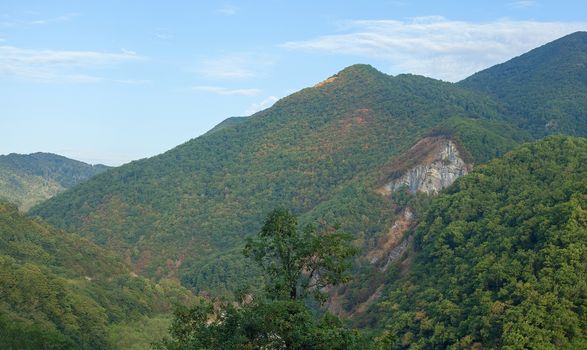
[
  {"x": 386, "y": 247},
  {"x": 429, "y": 166}
]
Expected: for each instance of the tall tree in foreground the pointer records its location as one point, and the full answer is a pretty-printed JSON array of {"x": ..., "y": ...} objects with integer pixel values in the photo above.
[{"x": 298, "y": 264}]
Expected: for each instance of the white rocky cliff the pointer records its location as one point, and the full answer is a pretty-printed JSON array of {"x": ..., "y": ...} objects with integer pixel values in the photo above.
[{"x": 429, "y": 166}]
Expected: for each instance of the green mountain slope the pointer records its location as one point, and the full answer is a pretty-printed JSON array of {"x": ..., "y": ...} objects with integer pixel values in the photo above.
[
  {"x": 545, "y": 89},
  {"x": 27, "y": 180},
  {"x": 59, "y": 291},
  {"x": 501, "y": 257},
  {"x": 186, "y": 212},
  {"x": 227, "y": 123}
]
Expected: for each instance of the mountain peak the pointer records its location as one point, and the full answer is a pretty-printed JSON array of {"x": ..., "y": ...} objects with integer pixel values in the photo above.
[
  {"x": 360, "y": 72},
  {"x": 359, "y": 68},
  {"x": 580, "y": 35},
  {"x": 356, "y": 72},
  {"x": 541, "y": 86}
]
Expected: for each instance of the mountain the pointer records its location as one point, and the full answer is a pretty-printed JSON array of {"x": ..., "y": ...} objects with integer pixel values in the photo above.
[
  {"x": 227, "y": 123},
  {"x": 379, "y": 155},
  {"x": 500, "y": 258},
  {"x": 349, "y": 151},
  {"x": 60, "y": 291},
  {"x": 27, "y": 180},
  {"x": 545, "y": 89},
  {"x": 185, "y": 213}
]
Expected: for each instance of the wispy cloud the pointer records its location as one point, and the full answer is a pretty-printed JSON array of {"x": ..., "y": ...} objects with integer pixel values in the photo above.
[
  {"x": 58, "y": 66},
  {"x": 228, "y": 10},
  {"x": 226, "y": 91},
  {"x": 11, "y": 22},
  {"x": 163, "y": 34},
  {"x": 435, "y": 46},
  {"x": 233, "y": 66},
  {"x": 132, "y": 81},
  {"x": 63, "y": 18},
  {"x": 523, "y": 4},
  {"x": 266, "y": 103}
]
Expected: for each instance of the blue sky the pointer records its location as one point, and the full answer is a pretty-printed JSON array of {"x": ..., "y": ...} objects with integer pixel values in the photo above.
[{"x": 113, "y": 81}]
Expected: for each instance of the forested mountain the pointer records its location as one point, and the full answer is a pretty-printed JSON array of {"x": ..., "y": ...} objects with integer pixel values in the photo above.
[
  {"x": 496, "y": 260},
  {"x": 356, "y": 150},
  {"x": 27, "y": 180},
  {"x": 184, "y": 212},
  {"x": 60, "y": 291},
  {"x": 501, "y": 257},
  {"x": 227, "y": 123},
  {"x": 545, "y": 90}
]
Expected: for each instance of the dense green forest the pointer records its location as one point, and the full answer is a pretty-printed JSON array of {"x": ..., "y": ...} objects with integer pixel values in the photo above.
[
  {"x": 544, "y": 90},
  {"x": 60, "y": 291},
  {"x": 298, "y": 263},
  {"x": 187, "y": 212},
  {"x": 497, "y": 260},
  {"x": 27, "y": 180},
  {"x": 500, "y": 258}
]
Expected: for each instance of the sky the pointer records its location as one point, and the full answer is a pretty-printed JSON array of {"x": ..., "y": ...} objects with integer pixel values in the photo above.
[{"x": 113, "y": 81}]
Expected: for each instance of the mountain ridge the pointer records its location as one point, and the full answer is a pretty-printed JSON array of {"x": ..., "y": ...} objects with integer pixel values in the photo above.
[
  {"x": 213, "y": 191},
  {"x": 61, "y": 291},
  {"x": 545, "y": 89},
  {"x": 320, "y": 151},
  {"x": 498, "y": 260},
  {"x": 27, "y": 179}
]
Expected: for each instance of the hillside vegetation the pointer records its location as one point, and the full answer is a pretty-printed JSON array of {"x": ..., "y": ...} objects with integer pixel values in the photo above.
[
  {"x": 27, "y": 180},
  {"x": 501, "y": 257},
  {"x": 545, "y": 90},
  {"x": 60, "y": 291},
  {"x": 186, "y": 212},
  {"x": 498, "y": 259}
]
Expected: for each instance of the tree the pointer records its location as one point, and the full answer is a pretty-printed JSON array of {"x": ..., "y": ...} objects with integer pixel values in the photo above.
[{"x": 299, "y": 263}]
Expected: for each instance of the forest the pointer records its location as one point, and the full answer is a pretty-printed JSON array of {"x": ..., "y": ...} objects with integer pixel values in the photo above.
[{"x": 277, "y": 230}]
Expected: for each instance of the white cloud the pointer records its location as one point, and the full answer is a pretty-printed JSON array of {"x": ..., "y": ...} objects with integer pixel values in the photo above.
[
  {"x": 435, "y": 46},
  {"x": 266, "y": 103},
  {"x": 63, "y": 18},
  {"x": 8, "y": 22},
  {"x": 133, "y": 81},
  {"x": 523, "y": 4},
  {"x": 228, "y": 10},
  {"x": 54, "y": 65},
  {"x": 233, "y": 66},
  {"x": 226, "y": 91},
  {"x": 163, "y": 34}
]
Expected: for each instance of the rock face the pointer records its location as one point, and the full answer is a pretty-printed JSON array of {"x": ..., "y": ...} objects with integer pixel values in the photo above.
[
  {"x": 386, "y": 250},
  {"x": 429, "y": 166}
]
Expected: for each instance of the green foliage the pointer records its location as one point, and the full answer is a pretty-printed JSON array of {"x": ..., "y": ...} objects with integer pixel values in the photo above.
[
  {"x": 27, "y": 180},
  {"x": 227, "y": 123},
  {"x": 184, "y": 213},
  {"x": 295, "y": 262},
  {"x": 483, "y": 140},
  {"x": 299, "y": 263},
  {"x": 501, "y": 257},
  {"x": 139, "y": 334},
  {"x": 283, "y": 324},
  {"x": 59, "y": 291},
  {"x": 544, "y": 89},
  {"x": 227, "y": 274}
]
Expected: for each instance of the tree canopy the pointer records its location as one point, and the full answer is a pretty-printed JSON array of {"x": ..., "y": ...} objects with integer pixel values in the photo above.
[
  {"x": 501, "y": 257},
  {"x": 299, "y": 262}
]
